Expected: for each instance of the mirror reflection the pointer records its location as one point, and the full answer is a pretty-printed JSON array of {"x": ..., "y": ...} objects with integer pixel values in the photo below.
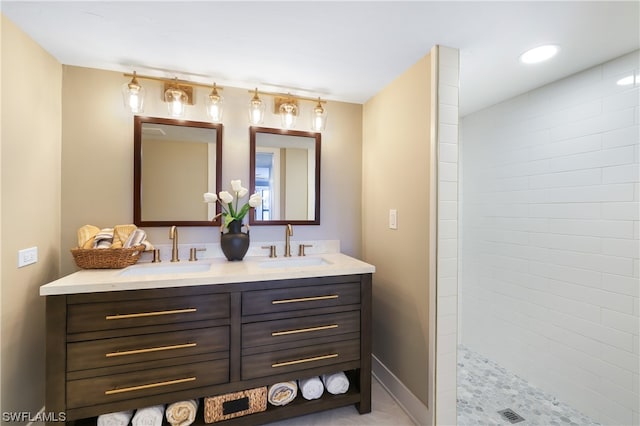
[
  {"x": 175, "y": 162},
  {"x": 285, "y": 170}
]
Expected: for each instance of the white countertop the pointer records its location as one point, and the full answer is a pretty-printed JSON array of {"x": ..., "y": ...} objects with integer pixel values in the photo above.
[{"x": 219, "y": 271}]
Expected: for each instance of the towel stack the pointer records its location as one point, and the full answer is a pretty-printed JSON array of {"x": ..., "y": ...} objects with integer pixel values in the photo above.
[{"x": 120, "y": 236}]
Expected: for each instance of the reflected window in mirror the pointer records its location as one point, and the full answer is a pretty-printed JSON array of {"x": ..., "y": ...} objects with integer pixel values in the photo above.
[
  {"x": 175, "y": 162},
  {"x": 285, "y": 170}
]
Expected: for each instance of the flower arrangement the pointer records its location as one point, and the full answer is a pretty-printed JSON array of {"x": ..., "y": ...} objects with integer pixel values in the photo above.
[{"x": 229, "y": 211}]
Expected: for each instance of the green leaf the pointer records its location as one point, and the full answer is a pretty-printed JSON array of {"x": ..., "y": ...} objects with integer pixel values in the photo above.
[
  {"x": 243, "y": 211},
  {"x": 227, "y": 220}
]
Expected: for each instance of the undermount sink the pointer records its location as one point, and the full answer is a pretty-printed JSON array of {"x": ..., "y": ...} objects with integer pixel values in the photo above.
[
  {"x": 165, "y": 269},
  {"x": 293, "y": 262}
]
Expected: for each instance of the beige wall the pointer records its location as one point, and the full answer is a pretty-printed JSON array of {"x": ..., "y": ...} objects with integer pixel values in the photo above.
[
  {"x": 97, "y": 160},
  {"x": 30, "y": 215},
  {"x": 396, "y": 143}
]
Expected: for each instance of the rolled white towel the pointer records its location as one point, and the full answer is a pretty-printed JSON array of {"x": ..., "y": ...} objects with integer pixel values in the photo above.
[
  {"x": 282, "y": 393},
  {"x": 115, "y": 419},
  {"x": 104, "y": 238},
  {"x": 135, "y": 238},
  {"x": 182, "y": 413},
  {"x": 336, "y": 383},
  {"x": 311, "y": 388},
  {"x": 149, "y": 416}
]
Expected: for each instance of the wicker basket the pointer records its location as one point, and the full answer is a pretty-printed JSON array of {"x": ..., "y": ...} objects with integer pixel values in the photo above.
[
  {"x": 106, "y": 258},
  {"x": 236, "y": 404}
]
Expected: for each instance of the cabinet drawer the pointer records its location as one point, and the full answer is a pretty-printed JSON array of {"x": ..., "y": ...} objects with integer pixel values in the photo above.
[
  {"x": 118, "y": 387},
  {"x": 298, "y": 329},
  {"x": 144, "y": 312},
  {"x": 143, "y": 348},
  {"x": 291, "y": 360},
  {"x": 291, "y": 299}
]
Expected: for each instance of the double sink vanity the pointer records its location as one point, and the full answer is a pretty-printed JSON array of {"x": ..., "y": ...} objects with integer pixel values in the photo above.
[{"x": 157, "y": 333}]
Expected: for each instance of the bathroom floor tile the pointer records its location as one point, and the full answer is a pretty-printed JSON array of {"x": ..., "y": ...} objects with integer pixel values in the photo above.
[{"x": 484, "y": 388}]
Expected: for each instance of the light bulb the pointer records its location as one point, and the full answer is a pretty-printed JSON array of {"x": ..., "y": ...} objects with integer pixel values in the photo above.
[
  {"x": 133, "y": 95},
  {"x": 256, "y": 109},
  {"x": 319, "y": 117},
  {"x": 214, "y": 105}
]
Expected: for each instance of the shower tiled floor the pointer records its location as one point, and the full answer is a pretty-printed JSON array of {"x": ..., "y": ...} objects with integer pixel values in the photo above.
[{"x": 484, "y": 388}]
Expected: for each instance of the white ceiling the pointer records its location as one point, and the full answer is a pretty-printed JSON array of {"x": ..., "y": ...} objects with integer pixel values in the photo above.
[{"x": 343, "y": 51}]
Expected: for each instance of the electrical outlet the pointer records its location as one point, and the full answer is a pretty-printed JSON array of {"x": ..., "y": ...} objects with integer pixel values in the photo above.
[
  {"x": 393, "y": 219},
  {"x": 27, "y": 256}
]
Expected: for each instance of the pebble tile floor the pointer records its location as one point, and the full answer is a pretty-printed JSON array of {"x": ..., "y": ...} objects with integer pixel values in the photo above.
[{"x": 484, "y": 388}]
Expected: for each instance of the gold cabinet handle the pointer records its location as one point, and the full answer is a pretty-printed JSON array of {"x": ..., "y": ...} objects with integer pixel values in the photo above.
[
  {"x": 150, "y": 385},
  {"x": 147, "y": 350},
  {"x": 304, "y": 299},
  {"x": 301, "y": 361},
  {"x": 150, "y": 314},
  {"x": 303, "y": 330}
]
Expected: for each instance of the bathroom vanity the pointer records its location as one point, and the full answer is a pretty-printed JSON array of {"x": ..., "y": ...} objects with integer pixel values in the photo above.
[{"x": 151, "y": 334}]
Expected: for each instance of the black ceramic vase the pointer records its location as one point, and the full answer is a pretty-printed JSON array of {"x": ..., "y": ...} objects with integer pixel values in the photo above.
[{"x": 234, "y": 243}]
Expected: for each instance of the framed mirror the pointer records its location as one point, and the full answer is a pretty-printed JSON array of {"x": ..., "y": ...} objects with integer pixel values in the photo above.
[
  {"x": 285, "y": 170},
  {"x": 175, "y": 162}
]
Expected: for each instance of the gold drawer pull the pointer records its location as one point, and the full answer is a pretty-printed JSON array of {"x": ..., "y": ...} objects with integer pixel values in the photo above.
[
  {"x": 304, "y": 299},
  {"x": 304, "y": 330},
  {"x": 301, "y": 361},
  {"x": 150, "y": 314},
  {"x": 147, "y": 350},
  {"x": 149, "y": 386}
]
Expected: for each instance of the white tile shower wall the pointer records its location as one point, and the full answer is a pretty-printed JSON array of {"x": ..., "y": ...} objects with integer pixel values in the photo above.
[
  {"x": 550, "y": 211},
  {"x": 447, "y": 244}
]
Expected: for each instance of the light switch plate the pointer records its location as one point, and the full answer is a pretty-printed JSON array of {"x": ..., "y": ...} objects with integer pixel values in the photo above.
[
  {"x": 27, "y": 256},
  {"x": 393, "y": 219}
]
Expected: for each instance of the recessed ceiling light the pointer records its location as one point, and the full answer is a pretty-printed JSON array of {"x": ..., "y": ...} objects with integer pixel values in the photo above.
[{"x": 539, "y": 54}]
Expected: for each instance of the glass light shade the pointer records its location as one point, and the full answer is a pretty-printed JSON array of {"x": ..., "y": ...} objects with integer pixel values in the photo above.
[
  {"x": 288, "y": 113},
  {"x": 133, "y": 95},
  {"x": 176, "y": 100},
  {"x": 318, "y": 118},
  {"x": 214, "y": 103},
  {"x": 256, "y": 109}
]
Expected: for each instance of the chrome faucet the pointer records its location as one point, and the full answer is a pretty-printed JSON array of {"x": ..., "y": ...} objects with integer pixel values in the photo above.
[
  {"x": 173, "y": 235},
  {"x": 288, "y": 232}
]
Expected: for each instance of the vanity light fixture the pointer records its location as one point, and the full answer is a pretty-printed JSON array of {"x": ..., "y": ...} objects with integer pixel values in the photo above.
[
  {"x": 214, "y": 104},
  {"x": 256, "y": 109},
  {"x": 133, "y": 95},
  {"x": 318, "y": 117},
  {"x": 288, "y": 110},
  {"x": 539, "y": 54},
  {"x": 176, "y": 99}
]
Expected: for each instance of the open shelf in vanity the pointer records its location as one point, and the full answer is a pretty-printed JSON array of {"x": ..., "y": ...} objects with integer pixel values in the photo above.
[{"x": 222, "y": 338}]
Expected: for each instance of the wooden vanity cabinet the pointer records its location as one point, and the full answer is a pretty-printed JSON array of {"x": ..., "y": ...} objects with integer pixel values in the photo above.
[{"x": 121, "y": 350}]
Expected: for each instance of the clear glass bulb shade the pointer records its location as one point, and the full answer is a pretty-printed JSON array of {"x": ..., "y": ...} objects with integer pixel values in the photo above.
[
  {"x": 318, "y": 118},
  {"x": 133, "y": 97},
  {"x": 256, "y": 111},
  {"x": 176, "y": 100},
  {"x": 215, "y": 107},
  {"x": 288, "y": 113}
]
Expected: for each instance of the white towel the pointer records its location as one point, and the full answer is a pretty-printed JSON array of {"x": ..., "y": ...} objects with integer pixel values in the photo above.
[
  {"x": 182, "y": 413},
  {"x": 115, "y": 419},
  {"x": 336, "y": 383},
  {"x": 311, "y": 388},
  {"x": 104, "y": 238},
  {"x": 282, "y": 393},
  {"x": 135, "y": 238},
  {"x": 149, "y": 416}
]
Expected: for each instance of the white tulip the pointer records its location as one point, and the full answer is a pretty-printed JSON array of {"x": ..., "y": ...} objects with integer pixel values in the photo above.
[
  {"x": 210, "y": 197},
  {"x": 242, "y": 192},
  {"x": 255, "y": 200},
  {"x": 225, "y": 197},
  {"x": 236, "y": 185}
]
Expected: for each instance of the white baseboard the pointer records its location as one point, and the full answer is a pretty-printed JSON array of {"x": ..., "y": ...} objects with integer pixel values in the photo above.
[{"x": 414, "y": 408}]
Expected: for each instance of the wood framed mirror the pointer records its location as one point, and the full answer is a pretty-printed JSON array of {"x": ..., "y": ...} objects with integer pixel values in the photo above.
[
  {"x": 175, "y": 163},
  {"x": 285, "y": 170}
]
